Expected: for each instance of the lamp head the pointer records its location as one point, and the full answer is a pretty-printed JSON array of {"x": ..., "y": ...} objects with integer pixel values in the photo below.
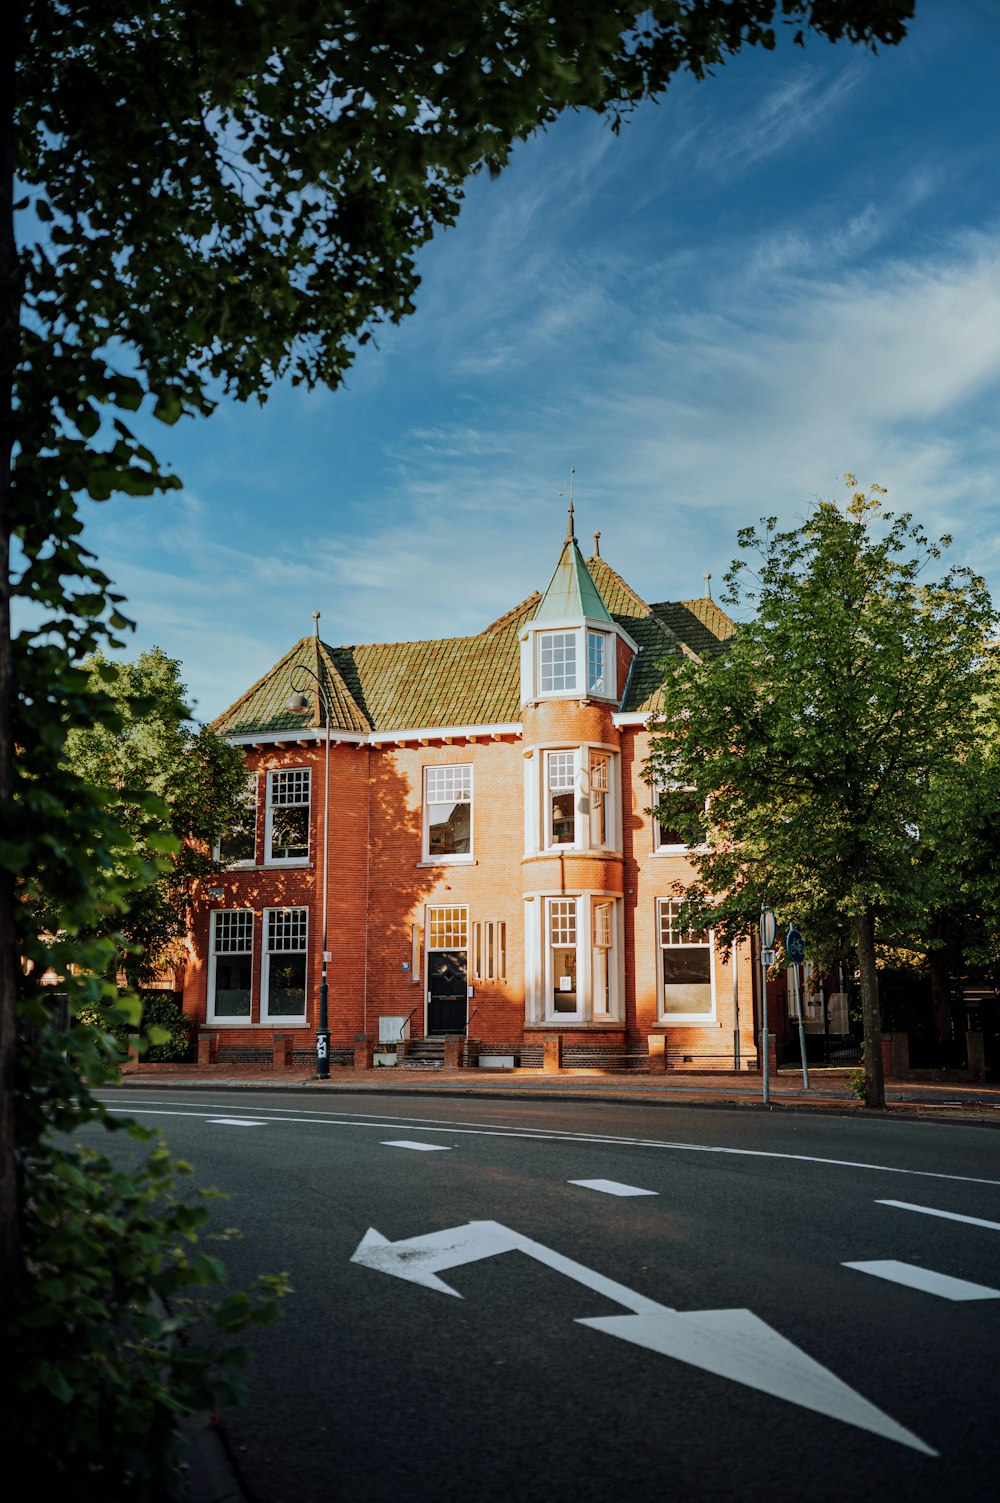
[{"x": 298, "y": 704}]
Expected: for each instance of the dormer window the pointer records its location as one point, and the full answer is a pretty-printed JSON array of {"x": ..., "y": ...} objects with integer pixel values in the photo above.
[
  {"x": 557, "y": 662},
  {"x": 597, "y": 657}
]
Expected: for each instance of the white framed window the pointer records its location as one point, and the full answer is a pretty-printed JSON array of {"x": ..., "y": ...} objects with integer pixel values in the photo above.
[
  {"x": 448, "y": 928},
  {"x": 598, "y": 655},
  {"x": 602, "y": 914},
  {"x": 287, "y": 834},
  {"x": 578, "y": 975},
  {"x": 489, "y": 950},
  {"x": 686, "y": 979},
  {"x": 601, "y": 822},
  {"x": 666, "y": 835},
  {"x": 284, "y": 970},
  {"x": 447, "y": 807},
  {"x": 230, "y": 965},
  {"x": 557, "y": 652},
  {"x": 560, "y": 798},
  {"x": 562, "y": 966},
  {"x": 238, "y": 846}
]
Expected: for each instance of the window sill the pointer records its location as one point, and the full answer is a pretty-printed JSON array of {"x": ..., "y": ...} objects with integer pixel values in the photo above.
[
  {"x": 688, "y": 1020},
  {"x": 592, "y": 853},
  {"x": 265, "y": 1024},
  {"x": 285, "y": 863},
  {"x": 576, "y": 1025},
  {"x": 447, "y": 861}
]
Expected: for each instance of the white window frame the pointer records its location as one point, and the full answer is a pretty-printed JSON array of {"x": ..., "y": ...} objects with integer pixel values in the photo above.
[
  {"x": 251, "y": 796},
  {"x": 227, "y": 1020},
  {"x": 572, "y": 909},
  {"x": 668, "y": 848},
  {"x": 489, "y": 950},
  {"x": 597, "y": 758},
  {"x": 275, "y": 773},
  {"x": 599, "y": 687},
  {"x": 427, "y": 777},
  {"x": 538, "y": 791},
  {"x": 685, "y": 1019},
  {"x": 568, "y": 688},
  {"x": 540, "y": 1006},
  {"x": 568, "y": 758},
  {"x": 266, "y": 1016}
]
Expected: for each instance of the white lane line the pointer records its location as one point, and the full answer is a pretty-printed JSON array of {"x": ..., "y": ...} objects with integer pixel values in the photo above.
[
  {"x": 238, "y": 1121},
  {"x": 925, "y": 1279},
  {"x": 904, "y": 1205},
  {"x": 416, "y": 1124},
  {"x": 610, "y": 1187},
  {"x": 420, "y": 1147}
]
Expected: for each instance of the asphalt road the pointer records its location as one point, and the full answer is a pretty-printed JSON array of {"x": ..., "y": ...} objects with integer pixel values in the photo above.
[{"x": 841, "y": 1383}]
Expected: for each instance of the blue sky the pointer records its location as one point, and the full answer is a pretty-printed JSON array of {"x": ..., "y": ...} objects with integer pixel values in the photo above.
[{"x": 789, "y": 271}]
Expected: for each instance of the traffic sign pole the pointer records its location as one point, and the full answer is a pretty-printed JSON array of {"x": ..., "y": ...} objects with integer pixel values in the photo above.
[{"x": 767, "y": 932}]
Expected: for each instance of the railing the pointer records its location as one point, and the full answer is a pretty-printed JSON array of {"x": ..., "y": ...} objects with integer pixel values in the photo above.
[
  {"x": 409, "y": 1015},
  {"x": 468, "y": 1020}
]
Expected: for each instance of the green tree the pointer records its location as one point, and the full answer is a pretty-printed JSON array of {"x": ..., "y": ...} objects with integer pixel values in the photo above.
[
  {"x": 199, "y": 781},
  {"x": 196, "y": 200},
  {"x": 855, "y": 685}
]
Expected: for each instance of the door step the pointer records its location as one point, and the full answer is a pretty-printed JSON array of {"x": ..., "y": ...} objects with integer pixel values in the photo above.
[{"x": 424, "y": 1054}]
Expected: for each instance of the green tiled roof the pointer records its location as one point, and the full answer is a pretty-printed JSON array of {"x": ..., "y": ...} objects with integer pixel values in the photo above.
[
  {"x": 699, "y": 623},
  {"x": 264, "y": 706},
  {"x": 455, "y": 681},
  {"x": 571, "y": 591}
]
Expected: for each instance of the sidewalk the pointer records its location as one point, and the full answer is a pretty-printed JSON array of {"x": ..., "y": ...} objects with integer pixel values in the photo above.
[{"x": 829, "y": 1089}]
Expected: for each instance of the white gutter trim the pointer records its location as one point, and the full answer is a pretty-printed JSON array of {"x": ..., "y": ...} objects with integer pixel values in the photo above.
[
  {"x": 375, "y": 738},
  {"x": 438, "y": 732},
  {"x": 308, "y": 733}
]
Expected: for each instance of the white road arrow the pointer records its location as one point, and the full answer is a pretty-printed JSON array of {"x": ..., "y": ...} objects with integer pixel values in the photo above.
[{"x": 733, "y": 1344}]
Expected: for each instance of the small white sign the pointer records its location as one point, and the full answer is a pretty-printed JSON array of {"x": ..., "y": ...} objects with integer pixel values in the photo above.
[{"x": 565, "y": 983}]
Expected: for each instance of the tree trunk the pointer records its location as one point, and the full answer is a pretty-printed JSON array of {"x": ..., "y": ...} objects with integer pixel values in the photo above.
[
  {"x": 871, "y": 1016},
  {"x": 10, "y": 316},
  {"x": 940, "y": 973}
]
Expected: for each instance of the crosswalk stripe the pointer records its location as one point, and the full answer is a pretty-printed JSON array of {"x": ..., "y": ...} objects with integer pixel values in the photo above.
[
  {"x": 610, "y": 1187},
  {"x": 904, "y": 1205},
  {"x": 926, "y": 1280},
  {"x": 420, "y": 1147}
]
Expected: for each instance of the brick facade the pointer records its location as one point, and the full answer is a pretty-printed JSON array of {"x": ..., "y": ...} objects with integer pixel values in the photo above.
[{"x": 558, "y": 927}]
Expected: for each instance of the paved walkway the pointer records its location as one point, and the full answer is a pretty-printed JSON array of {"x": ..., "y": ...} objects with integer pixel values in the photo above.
[{"x": 829, "y": 1089}]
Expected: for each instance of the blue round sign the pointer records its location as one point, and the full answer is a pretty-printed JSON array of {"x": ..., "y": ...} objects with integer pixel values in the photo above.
[{"x": 795, "y": 947}]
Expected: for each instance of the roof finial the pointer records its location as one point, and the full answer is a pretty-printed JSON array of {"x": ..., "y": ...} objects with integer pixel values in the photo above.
[
  {"x": 315, "y": 623},
  {"x": 570, "y": 534},
  {"x": 597, "y": 545},
  {"x": 708, "y": 586}
]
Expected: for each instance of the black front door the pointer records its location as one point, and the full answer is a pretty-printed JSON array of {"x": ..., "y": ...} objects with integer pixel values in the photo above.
[{"x": 447, "y": 989}]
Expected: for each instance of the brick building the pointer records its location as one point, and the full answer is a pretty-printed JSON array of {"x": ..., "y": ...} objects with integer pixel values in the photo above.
[{"x": 494, "y": 871}]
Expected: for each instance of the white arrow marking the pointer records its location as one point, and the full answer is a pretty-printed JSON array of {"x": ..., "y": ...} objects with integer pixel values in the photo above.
[
  {"x": 237, "y": 1122},
  {"x": 733, "y": 1344}
]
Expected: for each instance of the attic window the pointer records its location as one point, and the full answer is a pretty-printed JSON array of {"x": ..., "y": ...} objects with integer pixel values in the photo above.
[
  {"x": 557, "y": 661},
  {"x": 597, "y": 658}
]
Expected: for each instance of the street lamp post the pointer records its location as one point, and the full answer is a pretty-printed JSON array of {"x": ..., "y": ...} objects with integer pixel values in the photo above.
[{"x": 298, "y": 704}]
